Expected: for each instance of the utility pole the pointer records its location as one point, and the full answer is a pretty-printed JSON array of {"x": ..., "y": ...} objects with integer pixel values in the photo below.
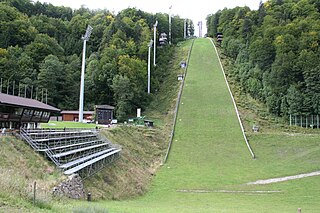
[
  {"x": 149, "y": 68},
  {"x": 155, "y": 42},
  {"x": 85, "y": 38}
]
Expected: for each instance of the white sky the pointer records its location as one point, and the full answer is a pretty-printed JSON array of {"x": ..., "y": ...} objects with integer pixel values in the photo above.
[{"x": 197, "y": 10}]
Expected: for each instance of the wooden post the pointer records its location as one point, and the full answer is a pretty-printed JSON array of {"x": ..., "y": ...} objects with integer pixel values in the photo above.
[
  {"x": 318, "y": 121},
  {"x": 295, "y": 120},
  {"x": 299, "y": 210},
  {"x": 301, "y": 120},
  {"x": 89, "y": 197},
  {"x": 34, "y": 192}
]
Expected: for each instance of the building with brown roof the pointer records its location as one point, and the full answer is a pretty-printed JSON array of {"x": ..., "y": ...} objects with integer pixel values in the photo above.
[
  {"x": 18, "y": 111},
  {"x": 68, "y": 115},
  {"x": 103, "y": 114}
]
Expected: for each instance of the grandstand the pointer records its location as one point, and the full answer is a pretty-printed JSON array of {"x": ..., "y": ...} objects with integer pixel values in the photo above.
[{"x": 80, "y": 151}]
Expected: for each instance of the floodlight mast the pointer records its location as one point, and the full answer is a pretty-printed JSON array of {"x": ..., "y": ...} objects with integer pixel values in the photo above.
[
  {"x": 85, "y": 38},
  {"x": 149, "y": 45},
  {"x": 155, "y": 44}
]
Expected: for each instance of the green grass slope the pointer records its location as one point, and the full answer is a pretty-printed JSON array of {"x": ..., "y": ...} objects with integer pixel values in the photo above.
[
  {"x": 20, "y": 167},
  {"x": 209, "y": 164},
  {"x": 209, "y": 154},
  {"x": 143, "y": 150}
]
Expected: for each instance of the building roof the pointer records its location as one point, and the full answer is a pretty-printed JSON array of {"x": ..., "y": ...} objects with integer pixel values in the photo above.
[
  {"x": 76, "y": 112},
  {"x": 104, "y": 107},
  {"x": 25, "y": 102}
]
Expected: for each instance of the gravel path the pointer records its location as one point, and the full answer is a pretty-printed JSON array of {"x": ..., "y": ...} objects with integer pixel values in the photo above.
[{"x": 276, "y": 180}]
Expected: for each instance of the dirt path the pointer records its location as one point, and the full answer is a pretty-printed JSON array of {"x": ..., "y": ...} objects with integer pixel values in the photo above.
[{"x": 281, "y": 179}]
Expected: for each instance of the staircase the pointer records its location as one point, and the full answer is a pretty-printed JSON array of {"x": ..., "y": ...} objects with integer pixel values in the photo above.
[{"x": 72, "y": 150}]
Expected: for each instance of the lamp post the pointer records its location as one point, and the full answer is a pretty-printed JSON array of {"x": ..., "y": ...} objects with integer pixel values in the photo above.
[
  {"x": 149, "y": 45},
  {"x": 85, "y": 38},
  {"x": 170, "y": 24},
  {"x": 154, "y": 39},
  {"x": 185, "y": 29}
]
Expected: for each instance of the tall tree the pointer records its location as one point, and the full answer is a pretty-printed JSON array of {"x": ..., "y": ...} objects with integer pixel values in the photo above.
[
  {"x": 52, "y": 78},
  {"x": 124, "y": 95}
]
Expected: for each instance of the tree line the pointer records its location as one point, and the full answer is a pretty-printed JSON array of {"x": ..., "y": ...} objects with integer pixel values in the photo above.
[
  {"x": 41, "y": 47},
  {"x": 274, "y": 52}
]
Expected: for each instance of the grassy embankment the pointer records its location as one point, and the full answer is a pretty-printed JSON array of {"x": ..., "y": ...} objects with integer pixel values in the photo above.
[
  {"x": 20, "y": 167},
  {"x": 209, "y": 154},
  {"x": 143, "y": 149},
  {"x": 142, "y": 152}
]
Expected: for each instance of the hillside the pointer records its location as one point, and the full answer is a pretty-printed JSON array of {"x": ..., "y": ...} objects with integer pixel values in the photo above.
[
  {"x": 20, "y": 167},
  {"x": 273, "y": 53},
  {"x": 209, "y": 165},
  {"x": 143, "y": 150},
  {"x": 41, "y": 51}
]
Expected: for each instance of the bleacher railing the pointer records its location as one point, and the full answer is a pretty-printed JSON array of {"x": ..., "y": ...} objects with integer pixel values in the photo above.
[{"x": 69, "y": 145}]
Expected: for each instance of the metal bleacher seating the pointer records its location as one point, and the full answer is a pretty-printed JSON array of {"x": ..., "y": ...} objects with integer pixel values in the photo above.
[{"x": 73, "y": 150}]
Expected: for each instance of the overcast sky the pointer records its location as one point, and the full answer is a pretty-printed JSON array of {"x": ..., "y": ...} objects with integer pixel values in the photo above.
[{"x": 197, "y": 10}]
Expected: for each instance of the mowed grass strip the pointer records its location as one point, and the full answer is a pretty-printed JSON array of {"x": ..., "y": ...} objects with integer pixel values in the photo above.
[{"x": 208, "y": 146}]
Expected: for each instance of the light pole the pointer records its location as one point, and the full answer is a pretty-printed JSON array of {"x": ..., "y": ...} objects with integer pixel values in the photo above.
[
  {"x": 149, "y": 45},
  {"x": 155, "y": 43},
  {"x": 200, "y": 28},
  {"x": 170, "y": 24},
  {"x": 85, "y": 38},
  {"x": 185, "y": 29}
]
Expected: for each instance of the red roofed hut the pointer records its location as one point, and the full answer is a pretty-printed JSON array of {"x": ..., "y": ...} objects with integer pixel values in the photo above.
[{"x": 73, "y": 115}]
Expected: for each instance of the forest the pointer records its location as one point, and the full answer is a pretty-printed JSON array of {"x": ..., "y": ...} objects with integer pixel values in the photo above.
[
  {"x": 274, "y": 53},
  {"x": 41, "y": 49}
]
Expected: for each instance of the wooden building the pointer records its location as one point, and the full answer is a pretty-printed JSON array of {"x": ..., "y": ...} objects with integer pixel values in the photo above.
[
  {"x": 74, "y": 115},
  {"x": 16, "y": 112},
  {"x": 104, "y": 114}
]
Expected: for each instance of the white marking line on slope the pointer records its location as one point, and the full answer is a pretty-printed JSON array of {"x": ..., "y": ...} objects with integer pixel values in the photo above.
[
  {"x": 225, "y": 191},
  {"x": 276, "y": 180}
]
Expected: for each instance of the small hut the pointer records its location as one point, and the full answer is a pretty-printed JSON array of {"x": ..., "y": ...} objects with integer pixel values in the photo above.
[{"x": 104, "y": 114}]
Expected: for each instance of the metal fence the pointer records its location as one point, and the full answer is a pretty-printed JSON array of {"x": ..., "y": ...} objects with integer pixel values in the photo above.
[{"x": 306, "y": 121}]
